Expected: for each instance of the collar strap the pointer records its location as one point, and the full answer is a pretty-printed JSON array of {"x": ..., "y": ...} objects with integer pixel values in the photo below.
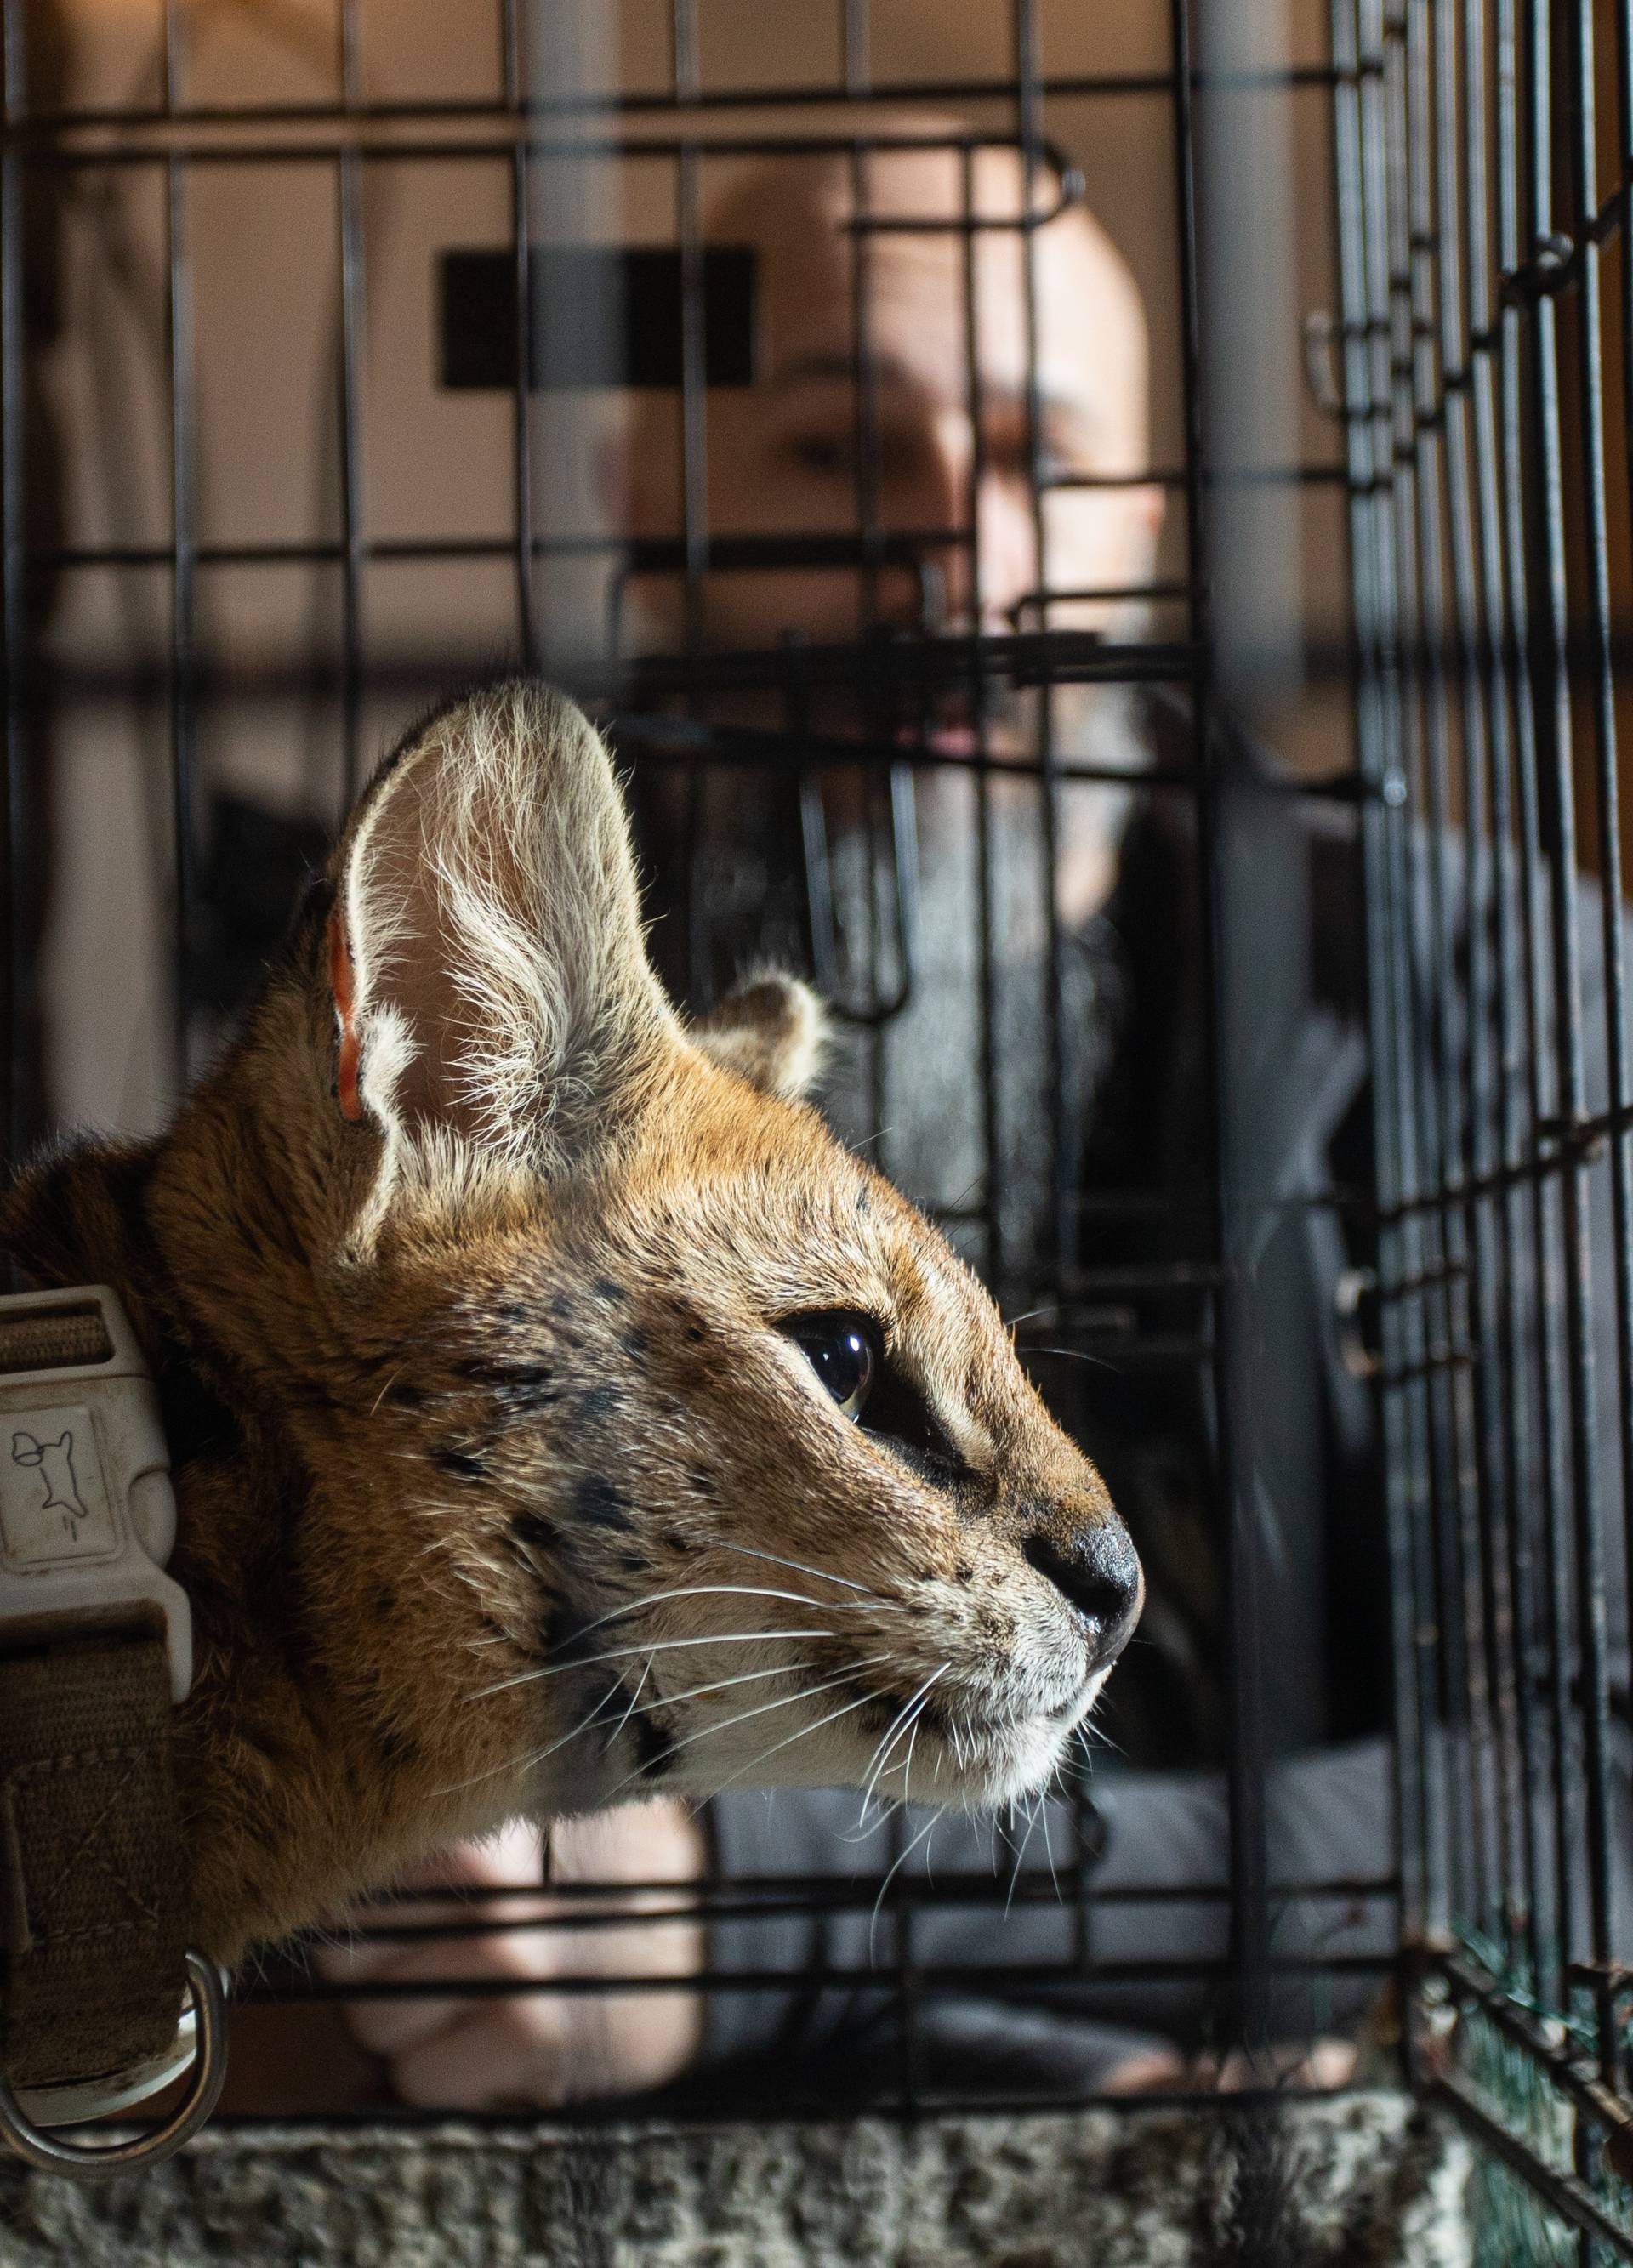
[{"x": 95, "y": 1650}]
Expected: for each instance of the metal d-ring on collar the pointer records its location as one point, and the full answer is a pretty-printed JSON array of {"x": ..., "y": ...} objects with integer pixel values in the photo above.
[{"x": 46, "y": 2150}]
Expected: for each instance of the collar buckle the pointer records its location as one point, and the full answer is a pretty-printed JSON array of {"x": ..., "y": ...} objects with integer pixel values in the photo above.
[{"x": 87, "y": 1513}]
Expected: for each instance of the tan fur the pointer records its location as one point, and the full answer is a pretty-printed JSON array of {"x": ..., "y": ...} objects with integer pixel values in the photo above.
[
  {"x": 486, "y": 1385},
  {"x": 771, "y": 1031}
]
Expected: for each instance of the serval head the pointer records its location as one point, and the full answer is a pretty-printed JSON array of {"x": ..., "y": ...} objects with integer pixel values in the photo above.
[{"x": 559, "y": 1412}]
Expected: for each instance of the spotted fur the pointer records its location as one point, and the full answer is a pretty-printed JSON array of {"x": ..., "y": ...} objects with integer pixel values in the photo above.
[{"x": 501, "y": 1489}]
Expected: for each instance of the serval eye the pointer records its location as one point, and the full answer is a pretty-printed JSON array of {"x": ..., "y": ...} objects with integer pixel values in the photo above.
[{"x": 842, "y": 1349}]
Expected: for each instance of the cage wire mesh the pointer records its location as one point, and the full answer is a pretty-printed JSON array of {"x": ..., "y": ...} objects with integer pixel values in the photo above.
[
  {"x": 321, "y": 331},
  {"x": 1486, "y": 287}
]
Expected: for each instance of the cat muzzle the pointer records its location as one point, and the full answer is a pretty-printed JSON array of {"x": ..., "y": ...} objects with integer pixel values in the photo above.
[
  {"x": 1097, "y": 1572},
  {"x": 101, "y": 2002}
]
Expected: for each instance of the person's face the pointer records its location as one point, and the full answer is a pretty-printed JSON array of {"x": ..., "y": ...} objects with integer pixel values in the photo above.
[{"x": 949, "y": 447}]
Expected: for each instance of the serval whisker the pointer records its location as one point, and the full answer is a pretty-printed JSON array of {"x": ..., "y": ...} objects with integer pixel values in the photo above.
[
  {"x": 903, "y": 1717},
  {"x": 784, "y": 1701},
  {"x": 928, "y": 1828},
  {"x": 633, "y": 1653},
  {"x": 823, "y": 1574},
  {"x": 767, "y": 1755}
]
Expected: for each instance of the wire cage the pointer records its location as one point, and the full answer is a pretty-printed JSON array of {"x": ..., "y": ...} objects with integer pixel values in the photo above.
[{"x": 1326, "y": 1250}]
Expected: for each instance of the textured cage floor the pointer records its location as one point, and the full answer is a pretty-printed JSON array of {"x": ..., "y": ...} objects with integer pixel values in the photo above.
[{"x": 1363, "y": 2181}]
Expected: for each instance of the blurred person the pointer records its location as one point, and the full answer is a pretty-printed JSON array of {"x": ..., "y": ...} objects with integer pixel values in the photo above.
[
  {"x": 954, "y": 492},
  {"x": 727, "y": 860}
]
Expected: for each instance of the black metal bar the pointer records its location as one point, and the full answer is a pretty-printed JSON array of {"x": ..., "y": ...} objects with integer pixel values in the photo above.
[
  {"x": 1249, "y": 2015},
  {"x": 993, "y": 1234},
  {"x": 1624, "y": 62},
  {"x": 1029, "y": 128},
  {"x": 521, "y": 462},
  {"x": 13, "y": 621},
  {"x": 183, "y": 428},
  {"x": 1587, "y": 1575},
  {"x": 865, "y": 481},
  {"x": 1465, "y": 1681},
  {"x": 349, "y": 193},
  {"x": 325, "y": 149},
  {"x": 857, "y": 64},
  {"x": 1019, "y": 1979},
  {"x": 694, "y": 466},
  {"x": 49, "y": 119},
  {"x": 1591, "y": 358},
  {"x": 752, "y": 1896},
  {"x": 1487, "y": 1504},
  {"x": 41, "y": 126},
  {"x": 1505, "y": 1333}
]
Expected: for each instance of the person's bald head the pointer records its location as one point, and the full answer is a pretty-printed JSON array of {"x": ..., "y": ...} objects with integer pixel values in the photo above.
[{"x": 783, "y": 457}]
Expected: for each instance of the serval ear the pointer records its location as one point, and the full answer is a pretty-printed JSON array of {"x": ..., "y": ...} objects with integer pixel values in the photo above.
[
  {"x": 771, "y": 1030},
  {"x": 491, "y": 987}
]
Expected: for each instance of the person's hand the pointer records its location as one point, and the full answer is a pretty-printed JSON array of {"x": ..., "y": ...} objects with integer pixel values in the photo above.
[
  {"x": 539, "y": 2049},
  {"x": 1317, "y": 2067}
]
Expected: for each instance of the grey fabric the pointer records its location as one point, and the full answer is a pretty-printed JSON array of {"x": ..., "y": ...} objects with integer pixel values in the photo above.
[
  {"x": 1329, "y": 1819},
  {"x": 1329, "y": 1816},
  {"x": 1364, "y": 2181}
]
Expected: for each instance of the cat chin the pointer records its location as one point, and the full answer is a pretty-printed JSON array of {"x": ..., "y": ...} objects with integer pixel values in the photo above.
[
  {"x": 989, "y": 1767},
  {"x": 994, "y": 1770},
  {"x": 985, "y": 1767}
]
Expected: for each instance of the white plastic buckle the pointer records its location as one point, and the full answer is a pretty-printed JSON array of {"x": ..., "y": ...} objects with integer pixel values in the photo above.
[
  {"x": 87, "y": 1524},
  {"x": 87, "y": 1513}
]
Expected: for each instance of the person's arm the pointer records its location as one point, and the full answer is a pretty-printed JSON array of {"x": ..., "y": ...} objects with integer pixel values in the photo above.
[{"x": 532, "y": 2049}]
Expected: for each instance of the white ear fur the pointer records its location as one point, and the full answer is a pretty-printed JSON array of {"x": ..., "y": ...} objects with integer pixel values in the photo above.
[
  {"x": 498, "y": 992},
  {"x": 770, "y": 1030}
]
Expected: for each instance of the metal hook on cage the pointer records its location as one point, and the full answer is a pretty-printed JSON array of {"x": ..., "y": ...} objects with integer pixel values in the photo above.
[
  {"x": 903, "y": 852},
  {"x": 902, "y": 848},
  {"x": 823, "y": 927},
  {"x": 1355, "y": 1308},
  {"x": 1321, "y": 334},
  {"x": 1068, "y": 172}
]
